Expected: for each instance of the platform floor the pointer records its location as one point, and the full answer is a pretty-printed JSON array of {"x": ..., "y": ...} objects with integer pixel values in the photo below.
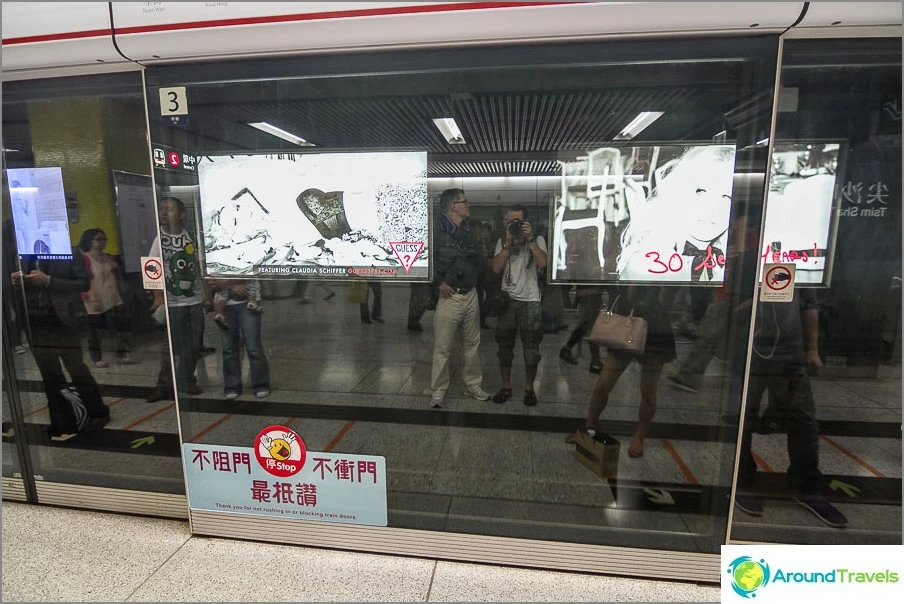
[{"x": 54, "y": 554}]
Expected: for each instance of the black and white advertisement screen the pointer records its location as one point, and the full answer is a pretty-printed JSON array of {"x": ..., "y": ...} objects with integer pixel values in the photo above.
[
  {"x": 38, "y": 203},
  {"x": 644, "y": 214},
  {"x": 319, "y": 215},
  {"x": 801, "y": 211}
]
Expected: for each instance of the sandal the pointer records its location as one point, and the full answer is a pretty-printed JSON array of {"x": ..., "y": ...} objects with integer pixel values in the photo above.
[
  {"x": 503, "y": 395},
  {"x": 530, "y": 398}
]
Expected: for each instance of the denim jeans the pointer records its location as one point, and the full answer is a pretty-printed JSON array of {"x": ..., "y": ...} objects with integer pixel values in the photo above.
[{"x": 244, "y": 327}]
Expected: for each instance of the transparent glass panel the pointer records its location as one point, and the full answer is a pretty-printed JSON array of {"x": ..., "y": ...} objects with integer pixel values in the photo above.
[
  {"x": 564, "y": 132},
  {"x": 78, "y": 213},
  {"x": 822, "y": 428}
]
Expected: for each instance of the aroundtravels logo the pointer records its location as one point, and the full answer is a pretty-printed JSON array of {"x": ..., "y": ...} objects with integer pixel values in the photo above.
[{"x": 748, "y": 575}]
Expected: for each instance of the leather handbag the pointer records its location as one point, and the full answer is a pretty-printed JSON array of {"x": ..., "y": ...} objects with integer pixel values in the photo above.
[{"x": 619, "y": 332}]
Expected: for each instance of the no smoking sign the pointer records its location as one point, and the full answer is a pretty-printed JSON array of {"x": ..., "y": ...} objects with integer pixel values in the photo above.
[
  {"x": 778, "y": 283},
  {"x": 152, "y": 272}
]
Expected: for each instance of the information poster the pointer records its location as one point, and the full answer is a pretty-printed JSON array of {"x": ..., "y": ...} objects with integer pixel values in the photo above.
[
  {"x": 801, "y": 216},
  {"x": 137, "y": 218},
  {"x": 330, "y": 215},
  {"x": 645, "y": 214},
  {"x": 38, "y": 204}
]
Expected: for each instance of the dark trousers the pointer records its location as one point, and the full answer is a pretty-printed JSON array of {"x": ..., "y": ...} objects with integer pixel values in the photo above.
[
  {"x": 53, "y": 342},
  {"x": 113, "y": 321},
  {"x": 523, "y": 317},
  {"x": 377, "y": 288},
  {"x": 612, "y": 247},
  {"x": 187, "y": 331},
  {"x": 790, "y": 391},
  {"x": 590, "y": 309}
]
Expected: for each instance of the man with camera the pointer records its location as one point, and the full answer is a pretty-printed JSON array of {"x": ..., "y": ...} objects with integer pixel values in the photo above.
[{"x": 519, "y": 257}]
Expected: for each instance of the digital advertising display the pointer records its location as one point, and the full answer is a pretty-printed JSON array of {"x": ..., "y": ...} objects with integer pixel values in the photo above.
[
  {"x": 801, "y": 215},
  {"x": 644, "y": 214},
  {"x": 316, "y": 215},
  {"x": 38, "y": 204}
]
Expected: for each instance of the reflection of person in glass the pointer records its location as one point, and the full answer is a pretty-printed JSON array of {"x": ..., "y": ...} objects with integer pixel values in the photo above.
[
  {"x": 680, "y": 233},
  {"x": 785, "y": 350},
  {"x": 650, "y": 303},
  {"x": 103, "y": 303},
  {"x": 239, "y": 316},
  {"x": 519, "y": 257},
  {"x": 458, "y": 259},
  {"x": 53, "y": 296},
  {"x": 185, "y": 299}
]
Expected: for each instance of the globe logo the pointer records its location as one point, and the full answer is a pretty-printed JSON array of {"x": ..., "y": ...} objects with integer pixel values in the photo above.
[{"x": 748, "y": 575}]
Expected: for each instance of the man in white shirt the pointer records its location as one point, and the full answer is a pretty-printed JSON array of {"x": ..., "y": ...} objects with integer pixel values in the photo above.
[
  {"x": 519, "y": 257},
  {"x": 185, "y": 300}
]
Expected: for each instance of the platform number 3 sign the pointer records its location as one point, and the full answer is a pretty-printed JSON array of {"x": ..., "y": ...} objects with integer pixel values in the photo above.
[{"x": 173, "y": 103}]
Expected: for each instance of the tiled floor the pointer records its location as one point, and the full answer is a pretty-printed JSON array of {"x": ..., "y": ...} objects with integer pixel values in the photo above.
[{"x": 53, "y": 554}]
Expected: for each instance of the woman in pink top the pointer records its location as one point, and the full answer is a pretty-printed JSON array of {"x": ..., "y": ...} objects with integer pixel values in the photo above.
[{"x": 103, "y": 302}]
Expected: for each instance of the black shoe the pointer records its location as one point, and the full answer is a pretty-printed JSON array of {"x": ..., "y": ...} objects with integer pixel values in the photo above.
[
  {"x": 748, "y": 503},
  {"x": 221, "y": 323},
  {"x": 368, "y": 321},
  {"x": 159, "y": 394},
  {"x": 530, "y": 398},
  {"x": 378, "y": 320},
  {"x": 824, "y": 510},
  {"x": 595, "y": 367},
  {"x": 566, "y": 355},
  {"x": 304, "y": 301},
  {"x": 415, "y": 327},
  {"x": 329, "y": 296},
  {"x": 95, "y": 424},
  {"x": 205, "y": 350}
]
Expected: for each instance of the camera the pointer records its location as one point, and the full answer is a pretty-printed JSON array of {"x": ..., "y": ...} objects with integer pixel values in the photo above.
[{"x": 514, "y": 228}]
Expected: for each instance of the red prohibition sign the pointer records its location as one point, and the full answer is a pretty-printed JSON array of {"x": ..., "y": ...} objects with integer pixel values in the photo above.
[
  {"x": 773, "y": 280},
  {"x": 153, "y": 274}
]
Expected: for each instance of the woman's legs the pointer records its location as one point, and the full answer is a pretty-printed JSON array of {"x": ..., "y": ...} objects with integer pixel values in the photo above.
[
  {"x": 649, "y": 384},
  {"x": 612, "y": 369}
]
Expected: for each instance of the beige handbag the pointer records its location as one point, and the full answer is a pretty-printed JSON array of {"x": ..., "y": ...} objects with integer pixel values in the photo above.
[{"x": 619, "y": 332}]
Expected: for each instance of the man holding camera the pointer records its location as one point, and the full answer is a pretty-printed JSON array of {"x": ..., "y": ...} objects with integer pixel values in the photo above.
[{"x": 519, "y": 257}]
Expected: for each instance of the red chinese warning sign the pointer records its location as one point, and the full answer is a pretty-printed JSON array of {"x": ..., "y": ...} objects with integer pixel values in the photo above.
[
  {"x": 280, "y": 451},
  {"x": 407, "y": 252}
]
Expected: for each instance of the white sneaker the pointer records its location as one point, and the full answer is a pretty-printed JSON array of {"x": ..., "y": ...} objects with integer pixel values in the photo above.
[
  {"x": 478, "y": 394},
  {"x": 262, "y": 393},
  {"x": 436, "y": 401},
  {"x": 231, "y": 396}
]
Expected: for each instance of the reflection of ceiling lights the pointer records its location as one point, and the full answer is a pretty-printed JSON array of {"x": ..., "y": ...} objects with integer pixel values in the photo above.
[
  {"x": 280, "y": 133},
  {"x": 638, "y": 124},
  {"x": 450, "y": 130},
  {"x": 5, "y": 150}
]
